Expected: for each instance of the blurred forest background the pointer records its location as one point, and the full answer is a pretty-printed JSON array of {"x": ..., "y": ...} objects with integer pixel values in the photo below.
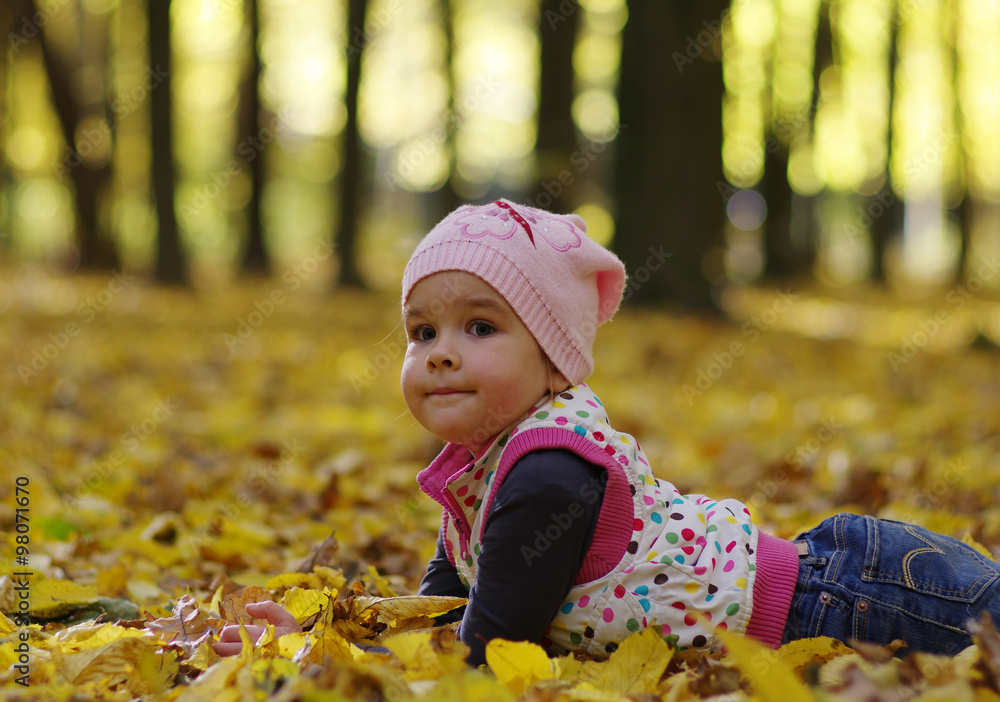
[
  {"x": 192, "y": 141},
  {"x": 206, "y": 207}
]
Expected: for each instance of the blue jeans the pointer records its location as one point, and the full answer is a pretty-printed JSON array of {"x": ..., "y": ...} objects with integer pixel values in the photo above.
[{"x": 877, "y": 580}]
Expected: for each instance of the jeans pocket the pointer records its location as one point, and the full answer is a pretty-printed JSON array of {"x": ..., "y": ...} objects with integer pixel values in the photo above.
[{"x": 925, "y": 562}]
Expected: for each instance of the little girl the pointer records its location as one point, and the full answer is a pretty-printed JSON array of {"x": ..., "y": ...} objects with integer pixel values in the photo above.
[{"x": 554, "y": 525}]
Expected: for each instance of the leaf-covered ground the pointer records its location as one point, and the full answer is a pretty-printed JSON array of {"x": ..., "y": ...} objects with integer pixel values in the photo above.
[{"x": 175, "y": 455}]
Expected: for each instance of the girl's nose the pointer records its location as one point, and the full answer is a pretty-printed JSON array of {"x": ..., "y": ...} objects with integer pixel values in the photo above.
[{"x": 443, "y": 355}]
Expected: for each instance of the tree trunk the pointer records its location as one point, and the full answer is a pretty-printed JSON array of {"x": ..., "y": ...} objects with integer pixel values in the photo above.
[
  {"x": 782, "y": 259},
  {"x": 350, "y": 174},
  {"x": 556, "y": 131},
  {"x": 446, "y": 199},
  {"x": 890, "y": 222},
  {"x": 170, "y": 264},
  {"x": 255, "y": 257},
  {"x": 90, "y": 176},
  {"x": 669, "y": 169}
]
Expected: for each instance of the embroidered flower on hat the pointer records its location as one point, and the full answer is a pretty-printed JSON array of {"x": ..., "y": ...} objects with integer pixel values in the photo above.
[{"x": 501, "y": 220}]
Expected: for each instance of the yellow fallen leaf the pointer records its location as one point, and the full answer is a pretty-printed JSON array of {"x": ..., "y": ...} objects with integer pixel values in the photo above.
[
  {"x": 50, "y": 598},
  {"x": 426, "y": 655},
  {"x": 203, "y": 657},
  {"x": 113, "y": 661},
  {"x": 290, "y": 644},
  {"x": 113, "y": 581},
  {"x": 381, "y": 584},
  {"x": 325, "y": 645},
  {"x": 269, "y": 672},
  {"x": 303, "y": 603},
  {"x": 773, "y": 680},
  {"x": 472, "y": 686},
  {"x": 7, "y": 625},
  {"x": 156, "y": 672},
  {"x": 585, "y": 692},
  {"x": 332, "y": 578},
  {"x": 395, "y": 609},
  {"x": 215, "y": 684},
  {"x": 8, "y": 596},
  {"x": 91, "y": 635},
  {"x": 309, "y": 581},
  {"x": 234, "y": 609},
  {"x": 820, "y": 649},
  {"x": 518, "y": 664},
  {"x": 635, "y": 666}
]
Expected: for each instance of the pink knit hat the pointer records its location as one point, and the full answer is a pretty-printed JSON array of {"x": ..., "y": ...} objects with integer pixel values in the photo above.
[{"x": 559, "y": 282}]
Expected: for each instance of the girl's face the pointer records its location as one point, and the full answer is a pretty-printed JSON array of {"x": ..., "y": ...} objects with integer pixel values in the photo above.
[{"x": 471, "y": 368}]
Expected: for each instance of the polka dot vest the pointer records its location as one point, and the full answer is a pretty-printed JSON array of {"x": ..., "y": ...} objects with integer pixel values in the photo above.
[{"x": 685, "y": 562}]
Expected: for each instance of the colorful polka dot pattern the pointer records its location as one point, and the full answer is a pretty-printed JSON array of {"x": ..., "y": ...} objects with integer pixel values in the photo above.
[{"x": 688, "y": 563}]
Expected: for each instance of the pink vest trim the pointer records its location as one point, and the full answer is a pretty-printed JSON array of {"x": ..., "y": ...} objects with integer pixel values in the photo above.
[
  {"x": 433, "y": 480},
  {"x": 614, "y": 522},
  {"x": 777, "y": 573}
]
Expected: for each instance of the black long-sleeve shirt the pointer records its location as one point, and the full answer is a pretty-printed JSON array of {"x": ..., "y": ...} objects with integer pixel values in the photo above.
[{"x": 531, "y": 549}]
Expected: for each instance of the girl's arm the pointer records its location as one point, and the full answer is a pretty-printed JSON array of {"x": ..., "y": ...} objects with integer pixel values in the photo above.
[
  {"x": 522, "y": 579},
  {"x": 442, "y": 579}
]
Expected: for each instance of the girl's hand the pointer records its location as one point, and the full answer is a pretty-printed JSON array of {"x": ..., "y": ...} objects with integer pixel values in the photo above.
[{"x": 230, "y": 643}]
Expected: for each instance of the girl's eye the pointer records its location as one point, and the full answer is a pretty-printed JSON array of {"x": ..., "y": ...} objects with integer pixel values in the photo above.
[
  {"x": 422, "y": 333},
  {"x": 482, "y": 328}
]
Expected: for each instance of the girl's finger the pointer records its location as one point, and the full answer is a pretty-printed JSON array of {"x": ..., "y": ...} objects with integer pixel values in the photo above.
[
  {"x": 227, "y": 648},
  {"x": 273, "y": 612}
]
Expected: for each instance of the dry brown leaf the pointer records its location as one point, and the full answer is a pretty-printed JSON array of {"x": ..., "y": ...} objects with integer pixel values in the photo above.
[
  {"x": 189, "y": 626},
  {"x": 234, "y": 609}
]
